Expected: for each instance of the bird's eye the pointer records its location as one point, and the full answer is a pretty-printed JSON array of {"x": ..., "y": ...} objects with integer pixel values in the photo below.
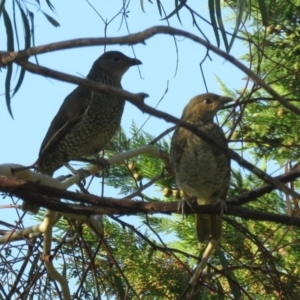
[
  {"x": 116, "y": 58},
  {"x": 207, "y": 101}
]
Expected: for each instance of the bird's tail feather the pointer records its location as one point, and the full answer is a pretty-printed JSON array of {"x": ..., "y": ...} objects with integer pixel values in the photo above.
[{"x": 208, "y": 227}]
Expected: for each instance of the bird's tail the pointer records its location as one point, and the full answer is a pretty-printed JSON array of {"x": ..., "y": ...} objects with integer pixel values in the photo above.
[{"x": 208, "y": 227}]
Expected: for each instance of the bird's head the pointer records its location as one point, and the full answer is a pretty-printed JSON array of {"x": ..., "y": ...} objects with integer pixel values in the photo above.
[
  {"x": 113, "y": 63},
  {"x": 204, "y": 107}
]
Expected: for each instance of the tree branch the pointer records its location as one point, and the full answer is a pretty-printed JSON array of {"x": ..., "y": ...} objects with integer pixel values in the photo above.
[
  {"x": 47, "y": 197},
  {"x": 137, "y": 100},
  {"x": 140, "y": 37}
]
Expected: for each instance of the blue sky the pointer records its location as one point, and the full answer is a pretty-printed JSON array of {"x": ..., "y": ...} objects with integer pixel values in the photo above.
[{"x": 39, "y": 98}]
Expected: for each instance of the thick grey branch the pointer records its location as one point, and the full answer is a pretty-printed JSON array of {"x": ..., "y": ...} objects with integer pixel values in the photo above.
[
  {"x": 47, "y": 197},
  {"x": 140, "y": 37}
]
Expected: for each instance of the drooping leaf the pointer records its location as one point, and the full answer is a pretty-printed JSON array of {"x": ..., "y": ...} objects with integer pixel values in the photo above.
[
  {"x": 220, "y": 23},
  {"x": 211, "y": 6},
  {"x": 240, "y": 13},
  {"x": 176, "y": 10},
  {"x": 10, "y": 47},
  {"x": 220, "y": 290},
  {"x": 7, "y": 88},
  {"x": 31, "y": 17},
  {"x": 231, "y": 277},
  {"x": 159, "y": 7},
  {"x": 27, "y": 45},
  {"x": 119, "y": 286},
  {"x": 263, "y": 11},
  {"x": 50, "y": 5},
  {"x": 15, "y": 24},
  {"x": 142, "y": 5},
  {"x": 1, "y": 6},
  {"x": 9, "y": 31},
  {"x": 26, "y": 27},
  {"x": 51, "y": 20}
]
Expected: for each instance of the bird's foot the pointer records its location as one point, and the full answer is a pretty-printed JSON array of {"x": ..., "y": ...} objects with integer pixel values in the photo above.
[
  {"x": 182, "y": 205},
  {"x": 100, "y": 162},
  {"x": 233, "y": 200},
  {"x": 222, "y": 206},
  {"x": 81, "y": 172}
]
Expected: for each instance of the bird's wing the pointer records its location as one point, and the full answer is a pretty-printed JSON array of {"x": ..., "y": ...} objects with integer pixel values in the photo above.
[
  {"x": 70, "y": 112},
  {"x": 179, "y": 141},
  {"x": 222, "y": 159}
]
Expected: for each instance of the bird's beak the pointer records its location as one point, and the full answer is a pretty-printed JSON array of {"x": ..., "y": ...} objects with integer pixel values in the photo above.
[
  {"x": 135, "y": 62},
  {"x": 225, "y": 100}
]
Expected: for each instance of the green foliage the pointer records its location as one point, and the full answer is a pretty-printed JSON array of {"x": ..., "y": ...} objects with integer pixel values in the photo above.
[
  {"x": 24, "y": 11},
  {"x": 146, "y": 269},
  {"x": 154, "y": 259},
  {"x": 268, "y": 128},
  {"x": 129, "y": 176}
]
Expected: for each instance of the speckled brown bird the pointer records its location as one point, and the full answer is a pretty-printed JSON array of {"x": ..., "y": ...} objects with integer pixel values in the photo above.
[
  {"x": 87, "y": 120},
  {"x": 202, "y": 169}
]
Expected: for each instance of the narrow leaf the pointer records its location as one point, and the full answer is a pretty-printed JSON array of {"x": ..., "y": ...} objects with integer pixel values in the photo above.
[
  {"x": 7, "y": 88},
  {"x": 1, "y": 6},
  {"x": 31, "y": 16},
  {"x": 211, "y": 6},
  {"x": 50, "y": 5},
  {"x": 26, "y": 27},
  {"x": 263, "y": 11},
  {"x": 220, "y": 290},
  {"x": 159, "y": 7},
  {"x": 241, "y": 8},
  {"x": 51, "y": 20},
  {"x": 9, "y": 31},
  {"x": 119, "y": 286},
  {"x": 15, "y": 25},
  {"x": 20, "y": 80},
  {"x": 10, "y": 47},
  {"x": 232, "y": 281},
  {"x": 221, "y": 25},
  {"x": 27, "y": 45},
  {"x": 176, "y": 10},
  {"x": 142, "y": 5}
]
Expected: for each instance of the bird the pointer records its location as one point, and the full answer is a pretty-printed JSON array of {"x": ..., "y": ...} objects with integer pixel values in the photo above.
[
  {"x": 202, "y": 169},
  {"x": 87, "y": 119}
]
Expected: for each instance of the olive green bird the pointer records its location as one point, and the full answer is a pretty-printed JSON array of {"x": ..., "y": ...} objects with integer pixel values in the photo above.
[
  {"x": 202, "y": 169},
  {"x": 87, "y": 120}
]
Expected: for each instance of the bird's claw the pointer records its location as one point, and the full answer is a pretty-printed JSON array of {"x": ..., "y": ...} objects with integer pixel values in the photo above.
[
  {"x": 101, "y": 162},
  {"x": 181, "y": 206},
  {"x": 82, "y": 174},
  {"x": 233, "y": 200},
  {"x": 222, "y": 206}
]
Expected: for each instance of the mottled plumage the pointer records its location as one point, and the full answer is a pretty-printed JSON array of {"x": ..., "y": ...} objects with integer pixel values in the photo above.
[
  {"x": 87, "y": 120},
  {"x": 202, "y": 169}
]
